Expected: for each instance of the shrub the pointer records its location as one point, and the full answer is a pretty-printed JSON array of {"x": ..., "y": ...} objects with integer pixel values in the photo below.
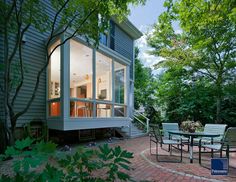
[{"x": 102, "y": 164}]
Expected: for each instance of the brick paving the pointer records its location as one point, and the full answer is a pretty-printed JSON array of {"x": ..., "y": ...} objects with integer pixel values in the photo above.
[{"x": 146, "y": 168}]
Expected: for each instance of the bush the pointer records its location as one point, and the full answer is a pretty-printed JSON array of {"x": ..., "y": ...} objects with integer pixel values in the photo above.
[{"x": 103, "y": 164}]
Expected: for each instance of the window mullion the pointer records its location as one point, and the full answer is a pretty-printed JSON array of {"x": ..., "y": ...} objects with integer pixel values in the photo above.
[
  {"x": 113, "y": 87},
  {"x": 94, "y": 82}
]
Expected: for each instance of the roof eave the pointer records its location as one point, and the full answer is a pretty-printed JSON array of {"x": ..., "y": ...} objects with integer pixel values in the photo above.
[{"x": 129, "y": 28}]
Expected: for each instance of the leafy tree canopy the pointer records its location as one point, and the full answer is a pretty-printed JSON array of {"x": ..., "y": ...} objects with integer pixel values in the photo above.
[
  {"x": 203, "y": 51},
  {"x": 52, "y": 18}
]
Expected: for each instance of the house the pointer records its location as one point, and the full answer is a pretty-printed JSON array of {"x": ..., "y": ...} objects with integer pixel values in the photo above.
[{"x": 83, "y": 87}]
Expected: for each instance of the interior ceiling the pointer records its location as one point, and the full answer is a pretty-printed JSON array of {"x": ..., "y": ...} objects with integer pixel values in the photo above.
[{"x": 81, "y": 62}]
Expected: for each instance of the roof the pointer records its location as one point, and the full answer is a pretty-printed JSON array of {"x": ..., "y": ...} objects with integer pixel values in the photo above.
[{"x": 129, "y": 28}]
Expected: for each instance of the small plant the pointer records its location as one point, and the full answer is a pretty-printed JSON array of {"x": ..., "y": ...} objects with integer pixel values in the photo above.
[
  {"x": 191, "y": 126},
  {"x": 102, "y": 164}
]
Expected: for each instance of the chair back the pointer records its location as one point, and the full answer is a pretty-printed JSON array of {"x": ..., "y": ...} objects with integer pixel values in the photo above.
[
  {"x": 215, "y": 129},
  {"x": 230, "y": 138},
  {"x": 156, "y": 132},
  {"x": 169, "y": 127}
]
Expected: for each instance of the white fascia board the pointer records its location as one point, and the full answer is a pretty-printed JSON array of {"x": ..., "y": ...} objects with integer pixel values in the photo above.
[{"x": 128, "y": 27}]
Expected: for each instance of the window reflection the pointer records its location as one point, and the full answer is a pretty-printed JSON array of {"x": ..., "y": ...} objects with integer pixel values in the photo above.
[
  {"x": 120, "y": 111},
  {"x": 54, "y": 109},
  {"x": 103, "y": 77},
  {"x": 104, "y": 110},
  {"x": 80, "y": 70},
  {"x": 81, "y": 109},
  {"x": 120, "y": 83},
  {"x": 54, "y": 70}
]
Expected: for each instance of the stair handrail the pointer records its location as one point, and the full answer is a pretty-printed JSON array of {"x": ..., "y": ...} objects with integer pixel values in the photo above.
[{"x": 147, "y": 120}]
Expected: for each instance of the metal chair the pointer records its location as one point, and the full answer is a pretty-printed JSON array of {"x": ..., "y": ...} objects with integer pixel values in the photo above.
[
  {"x": 228, "y": 144},
  {"x": 156, "y": 137},
  {"x": 173, "y": 127},
  {"x": 213, "y": 129}
]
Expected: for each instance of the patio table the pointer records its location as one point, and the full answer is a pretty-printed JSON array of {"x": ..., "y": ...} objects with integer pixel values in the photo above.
[{"x": 191, "y": 136}]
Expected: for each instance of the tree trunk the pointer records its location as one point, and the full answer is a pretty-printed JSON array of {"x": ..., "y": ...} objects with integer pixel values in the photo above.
[
  {"x": 5, "y": 137},
  {"x": 218, "y": 110},
  {"x": 218, "y": 99}
]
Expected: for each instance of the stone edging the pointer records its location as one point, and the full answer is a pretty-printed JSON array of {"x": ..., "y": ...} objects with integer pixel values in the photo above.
[{"x": 175, "y": 172}]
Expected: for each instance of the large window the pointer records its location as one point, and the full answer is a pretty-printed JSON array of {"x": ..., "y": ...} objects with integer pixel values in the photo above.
[
  {"x": 97, "y": 83},
  {"x": 104, "y": 110},
  {"x": 81, "y": 109},
  {"x": 103, "y": 77},
  {"x": 81, "y": 70},
  {"x": 54, "y": 81},
  {"x": 54, "y": 72},
  {"x": 81, "y": 75},
  {"x": 120, "y": 83}
]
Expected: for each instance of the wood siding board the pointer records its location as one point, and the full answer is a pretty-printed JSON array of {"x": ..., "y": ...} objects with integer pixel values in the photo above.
[{"x": 34, "y": 58}]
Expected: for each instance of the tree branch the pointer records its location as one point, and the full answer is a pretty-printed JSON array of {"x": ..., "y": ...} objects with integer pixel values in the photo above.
[
  {"x": 207, "y": 74},
  {"x": 216, "y": 52},
  {"x": 1, "y": 88},
  {"x": 21, "y": 66},
  {"x": 64, "y": 29},
  {"x": 55, "y": 20},
  {"x": 47, "y": 62}
]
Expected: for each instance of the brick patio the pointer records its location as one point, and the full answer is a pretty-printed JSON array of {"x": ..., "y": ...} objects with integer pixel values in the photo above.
[{"x": 146, "y": 168}]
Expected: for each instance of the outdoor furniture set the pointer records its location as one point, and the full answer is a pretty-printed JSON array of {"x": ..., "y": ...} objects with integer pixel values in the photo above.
[{"x": 214, "y": 137}]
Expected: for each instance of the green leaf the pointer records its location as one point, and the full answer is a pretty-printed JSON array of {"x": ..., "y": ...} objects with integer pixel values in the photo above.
[
  {"x": 47, "y": 147},
  {"x": 117, "y": 151},
  {"x": 24, "y": 143},
  {"x": 123, "y": 176},
  {"x": 11, "y": 151},
  {"x": 124, "y": 166},
  {"x": 51, "y": 174},
  {"x": 119, "y": 159}
]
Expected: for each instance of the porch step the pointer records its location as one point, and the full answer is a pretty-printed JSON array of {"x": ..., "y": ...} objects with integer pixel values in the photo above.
[{"x": 135, "y": 132}]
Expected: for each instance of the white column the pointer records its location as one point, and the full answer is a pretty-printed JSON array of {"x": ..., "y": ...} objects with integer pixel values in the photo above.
[
  {"x": 65, "y": 79},
  {"x": 113, "y": 86},
  {"x": 94, "y": 82},
  {"x": 128, "y": 90}
]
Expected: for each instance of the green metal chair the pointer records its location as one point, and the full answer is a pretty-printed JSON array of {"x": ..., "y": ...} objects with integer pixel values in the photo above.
[
  {"x": 228, "y": 144},
  {"x": 213, "y": 129},
  {"x": 173, "y": 127},
  {"x": 156, "y": 137}
]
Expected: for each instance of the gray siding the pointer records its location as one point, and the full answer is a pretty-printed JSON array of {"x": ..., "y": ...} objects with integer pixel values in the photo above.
[
  {"x": 1, "y": 76},
  {"x": 34, "y": 59},
  {"x": 123, "y": 43}
]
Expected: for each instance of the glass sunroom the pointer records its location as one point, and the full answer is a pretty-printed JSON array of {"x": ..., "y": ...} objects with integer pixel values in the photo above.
[{"x": 87, "y": 87}]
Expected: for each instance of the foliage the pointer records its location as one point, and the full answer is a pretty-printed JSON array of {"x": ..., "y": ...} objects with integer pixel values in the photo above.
[
  {"x": 67, "y": 17},
  {"x": 199, "y": 61},
  {"x": 84, "y": 165},
  {"x": 145, "y": 85},
  {"x": 191, "y": 126}
]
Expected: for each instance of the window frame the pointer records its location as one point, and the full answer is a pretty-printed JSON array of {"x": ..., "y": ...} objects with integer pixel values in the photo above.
[{"x": 102, "y": 49}]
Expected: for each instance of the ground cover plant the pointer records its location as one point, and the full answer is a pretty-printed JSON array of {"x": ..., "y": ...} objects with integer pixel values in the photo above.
[{"x": 40, "y": 162}]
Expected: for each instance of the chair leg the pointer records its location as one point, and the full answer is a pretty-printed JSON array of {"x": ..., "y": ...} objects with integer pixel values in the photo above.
[
  {"x": 181, "y": 152},
  {"x": 150, "y": 149},
  {"x": 157, "y": 152},
  {"x": 227, "y": 152},
  {"x": 200, "y": 155}
]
